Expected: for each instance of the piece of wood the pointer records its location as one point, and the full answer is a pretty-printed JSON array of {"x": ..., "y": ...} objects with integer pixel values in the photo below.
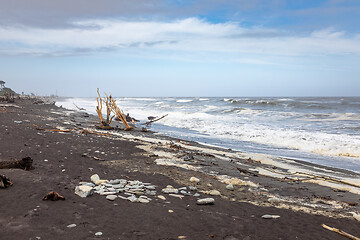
[
  {"x": 345, "y": 234},
  {"x": 25, "y": 163},
  {"x": 5, "y": 182},
  {"x": 154, "y": 120},
  {"x": 53, "y": 196}
]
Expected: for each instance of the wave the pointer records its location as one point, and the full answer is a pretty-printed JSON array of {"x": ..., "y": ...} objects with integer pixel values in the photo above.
[
  {"x": 184, "y": 100},
  {"x": 203, "y": 99}
]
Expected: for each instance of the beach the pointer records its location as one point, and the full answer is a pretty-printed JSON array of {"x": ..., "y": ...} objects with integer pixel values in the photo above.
[{"x": 304, "y": 195}]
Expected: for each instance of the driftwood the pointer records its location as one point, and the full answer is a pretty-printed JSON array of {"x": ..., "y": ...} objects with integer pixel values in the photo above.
[
  {"x": 5, "y": 182},
  {"x": 345, "y": 234},
  {"x": 25, "y": 163},
  {"x": 154, "y": 120},
  {"x": 52, "y": 130},
  {"x": 53, "y": 196},
  {"x": 81, "y": 109},
  {"x": 104, "y": 124},
  {"x": 120, "y": 114},
  {"x": 247, "y": 172}
]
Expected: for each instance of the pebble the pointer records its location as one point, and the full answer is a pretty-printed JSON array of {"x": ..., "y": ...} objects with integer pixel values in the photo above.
[
  {"x": 111, "y": 197},
  {"x": 230, "y": 187},
  {"x": 170, "y": 189},
  {"x": 95, "y": 179},
  {"x": 214, "y": 193},
  {"x": 194, "y": 179},
  {"x": 143, "y": 200},
  {"x": 274, "y": 200},
  {"x": 196, "y": 195},
  {"x": 170, "y": 211},
  {"x": 191, "y": 188},
  {"x": 161, "y": 197},
  {"x": 71, "y": 225},
  {"x": 107, "y": 193},
  {"x": 98, "y": 234},
  {"x": 205, "y": 201},
  {"x": 267, "y": 216}
]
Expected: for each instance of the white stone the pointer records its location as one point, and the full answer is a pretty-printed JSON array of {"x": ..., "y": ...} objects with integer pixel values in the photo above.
[
  {"x": 143, "y": 200},
  {"x": 98, "y": 234},
  {"x": 71, "y": 225},
  {"x": 194, "y": 179},
  {"x": 214, "y": 193},
  {"x": 267, "y": 216},
  {"x": 170, "y": 189},
  {"x": 230, "y": 187},
  {"x": 205, "y": 201},
  {"x": 107, "y": 193},
  {"x": 84, "y": 191},
  {"x": 111, "y": 197},
  {"x": 95, "y": 179}
]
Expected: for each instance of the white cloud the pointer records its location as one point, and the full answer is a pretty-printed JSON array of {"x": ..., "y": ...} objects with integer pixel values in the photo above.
[{"x": 189, "y": 35}]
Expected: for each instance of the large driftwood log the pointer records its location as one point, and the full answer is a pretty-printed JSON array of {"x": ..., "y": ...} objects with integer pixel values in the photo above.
[{"x": 25, "y": 163}]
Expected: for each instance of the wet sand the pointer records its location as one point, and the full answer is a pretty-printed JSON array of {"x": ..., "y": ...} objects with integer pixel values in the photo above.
[{"x": 60, "y": 164}]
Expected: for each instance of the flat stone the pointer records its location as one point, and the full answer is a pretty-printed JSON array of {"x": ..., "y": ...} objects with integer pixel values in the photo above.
[
  {"x": 118, "y": 186},
  {"x": 133, "y": 199},
  {"x": 150, "y": 187},
  {"x": 161, "y": 197},
  {"x": 176, "y": 195},
  {"x": 268, "y": 216},
  {"x": 205, "y": 201},
  {"x": 107, "y": 193},
  {"x": 98, "y": 234},
  {"x": 111, "y": 197},
  {"x": 143, "y": 200},
  {"x": 84, "y": 191},
  {"x": 274, "y": 200},
  {"x": 71, "y": 225},
  {"x": 214, "y": 193},
  {"x": 182, "y": 188},
  {"x": 170, "y": 190},
  {"x": 196, "y": 195},
  {"x": 87, "y": 184},
  {"x": 111, "y": 189}
]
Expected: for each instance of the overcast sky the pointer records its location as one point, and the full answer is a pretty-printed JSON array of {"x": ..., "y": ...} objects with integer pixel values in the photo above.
[{"x": 181, "y": 47}]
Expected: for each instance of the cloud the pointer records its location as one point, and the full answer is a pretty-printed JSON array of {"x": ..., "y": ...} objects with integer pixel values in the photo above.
[{"x": 187, "y": 35}]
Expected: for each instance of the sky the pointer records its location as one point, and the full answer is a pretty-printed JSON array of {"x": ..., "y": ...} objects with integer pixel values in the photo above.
[{"x": 180, "y": 48}]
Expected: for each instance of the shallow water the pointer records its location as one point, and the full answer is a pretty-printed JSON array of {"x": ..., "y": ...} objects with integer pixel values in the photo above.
[{"x": 325, "y": 131}]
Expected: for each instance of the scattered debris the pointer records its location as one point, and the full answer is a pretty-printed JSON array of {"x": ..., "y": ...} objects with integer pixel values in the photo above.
[
  {"x": 53, "y": 196},
  {"x": 345, "y": 234},
  {"x": 5, "y": 182},
  {"x": 25, "y": 163}
]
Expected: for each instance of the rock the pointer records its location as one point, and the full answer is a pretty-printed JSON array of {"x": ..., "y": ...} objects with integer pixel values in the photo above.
[
  {"x": 71, "y": 225},
  {"x": 274, "y": 200},
  {"x": 196, "y": 195},
  {"x": 213, "y": 193},
  {"x": 176, "y": 195},
  {"x": 191, "y": 188},
  {"x": 111, "y": 197},
  {"x": 267, "y": 216},
  {"x": 84, "y": 191},
  {"x": 98, "y": 234},
  {"x": 107, "y": 193},
  {"x": 161, "y": 197},
  {"x": 170, "y": 189},
  {"x": 182, "y": 188},
  {"x": 205, "y": 201},
  {"x": 133, "y": 199},
  {"x": 87, "y": 184},
  {"x": 194, "y": 179},
  {"x": 143, "y": 200},
  {"x": 230, "y": 187},
  {"x": 95, "y": 179},
  {"x": 118, "y": 186}
]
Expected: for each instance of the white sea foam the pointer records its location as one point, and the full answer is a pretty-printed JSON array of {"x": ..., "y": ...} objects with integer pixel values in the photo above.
[
  {"x": 184, "y": 100},
  {"x": 254, "y": 125},
  {"x": 203, "y": 99}
]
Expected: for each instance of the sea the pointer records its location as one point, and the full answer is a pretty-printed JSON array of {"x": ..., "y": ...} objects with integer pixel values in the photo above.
[{"x": 320, "y": 130}]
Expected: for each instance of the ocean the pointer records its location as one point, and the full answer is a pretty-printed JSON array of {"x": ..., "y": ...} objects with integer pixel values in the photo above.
[{"x": 320, "y": 130}]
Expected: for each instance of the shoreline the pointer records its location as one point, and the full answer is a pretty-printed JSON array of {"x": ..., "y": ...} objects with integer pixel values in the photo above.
[{"x": 153, "y": 158}]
